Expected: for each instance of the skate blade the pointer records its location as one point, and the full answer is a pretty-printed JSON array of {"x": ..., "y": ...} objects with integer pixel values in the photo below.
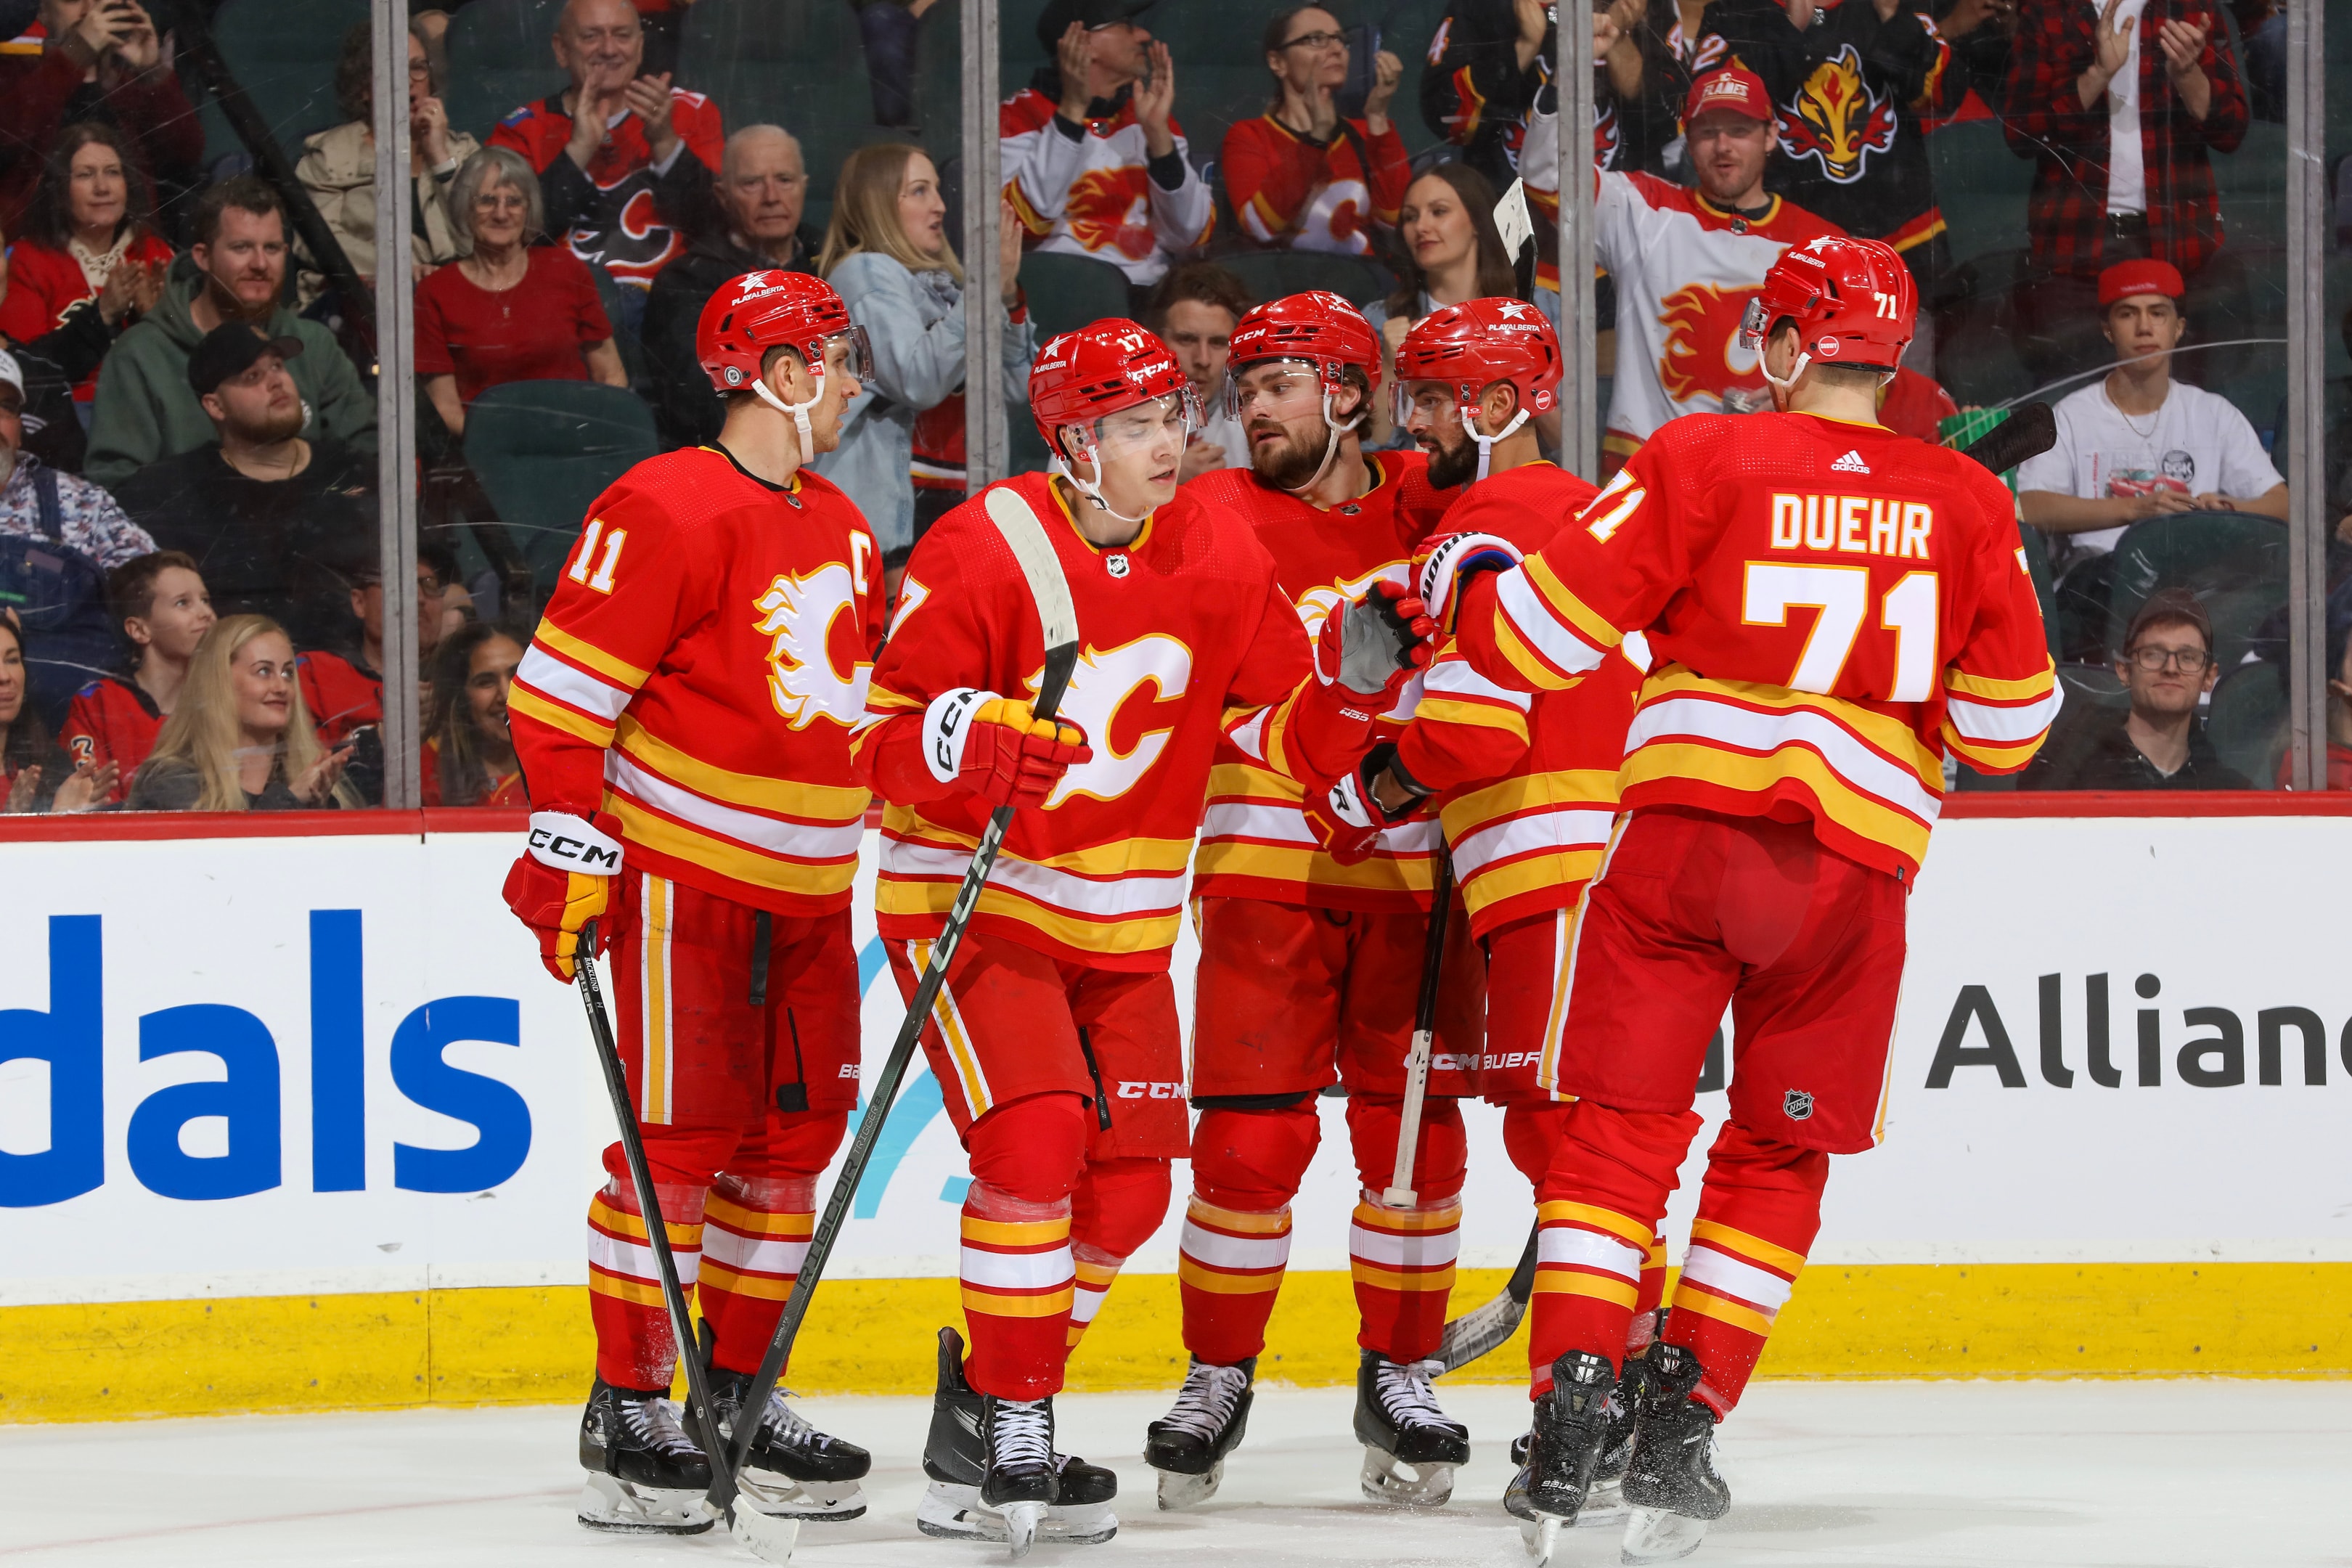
[
  {"x": 952, "y": 1513},
  {"x": 1660, "y": 1535},
  {"x": 1178, "y": 1492},
  {"x": 1540, "y": 1536},
  {"x": 1392, "y": 1482},
  {"x": 811, "y": 1502},
  {"x": 1604, "y": 1504},
  {"x": 623, "y": 1508},
  {"x": 769, "y": 1537},
  {"x": 1020, "y": 1522}
]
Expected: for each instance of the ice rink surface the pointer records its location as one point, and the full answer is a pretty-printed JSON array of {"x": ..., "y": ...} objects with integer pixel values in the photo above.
[{"x": 2083, "y": 1475}]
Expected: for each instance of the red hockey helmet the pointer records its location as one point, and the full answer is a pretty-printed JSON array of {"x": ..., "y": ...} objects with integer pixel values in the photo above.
[
  {"x": 1852, "y": 302},
  {"x": 1080, "y": 378},
  {"x": 760, "y": 310},
  {"x": 1317, "y": 328},
  {"x": 1478, "y": 342}
]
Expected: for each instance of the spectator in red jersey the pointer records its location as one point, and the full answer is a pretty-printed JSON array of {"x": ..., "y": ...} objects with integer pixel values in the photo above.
[
  {"x": 511, "y": 310},
  {"x": 1914, "y": 405},
  {"x": 26, "y": 758},
  {"x": 160, "y": 603},
  {"x": 99, "y": 59},
  {"x": 1299, "y": 176},
  {"x": 86, "y": 238},
  {"x": 2119, "y": 106},
  {"x": 623, "y": 156},
  {"x": 240, "y": 737},
  {"x": 1195, "y": 310},
  {"x": 468, "y": 758}
]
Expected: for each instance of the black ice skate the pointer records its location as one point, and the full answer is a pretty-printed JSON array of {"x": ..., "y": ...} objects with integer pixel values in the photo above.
[
  {"x": 1671, "y": 1484},
  {"x": 794, "y": 1469},
  {"x": 955, "y": 1459},
  {"x": 645, "y": 1475},
  {"x": 1571, "y": 1424},
  {"x": 1410, "y": 1447},
  {"x": 1188, "y": 1445}
]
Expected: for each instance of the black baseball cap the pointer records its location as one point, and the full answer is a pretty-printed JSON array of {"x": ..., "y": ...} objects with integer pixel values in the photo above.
[
  {"x": 230, "y": 350},
  {"x": 1056, "y": 19}
]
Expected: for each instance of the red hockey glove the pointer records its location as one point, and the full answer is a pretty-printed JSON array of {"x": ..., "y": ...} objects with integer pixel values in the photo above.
[
  {"x": 1450, "y": 562},
  {"x": 998, "y": 748},
  {"x": 1347, "y": 818},
  {"x": 563, "y": 880}
]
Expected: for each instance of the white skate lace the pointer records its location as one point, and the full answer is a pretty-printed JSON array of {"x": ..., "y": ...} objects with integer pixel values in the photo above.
[
  {"x": 1025, "y": 1433},
  {"x": 1204, "y": 1405},
  {"x": 1404, "y": 1393},
  {"x": 653, "y": 1423},
  {"x": 785, "y": 1425}
]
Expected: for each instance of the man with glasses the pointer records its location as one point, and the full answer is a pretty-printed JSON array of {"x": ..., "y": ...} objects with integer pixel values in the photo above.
[
  {"x": 1094, "y": 160},
  {"x": 752, "y": 223},
  {"x": 2159, "y": 741}
]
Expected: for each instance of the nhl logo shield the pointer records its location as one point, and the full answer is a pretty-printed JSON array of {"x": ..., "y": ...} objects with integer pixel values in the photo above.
[
  {"x": 1116, "y": 565},
  {"x": 1797, "y": 1105}
]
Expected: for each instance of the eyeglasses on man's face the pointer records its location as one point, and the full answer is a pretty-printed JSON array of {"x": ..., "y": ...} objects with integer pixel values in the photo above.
[
  {"x": 1314, "y": 40},
  {"x": 2187, "y": 660}
]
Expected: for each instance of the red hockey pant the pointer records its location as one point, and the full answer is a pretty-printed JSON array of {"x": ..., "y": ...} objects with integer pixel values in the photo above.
[
  {"x": 1693, "y": 912},
  {"x": 710, "y": 1075}
]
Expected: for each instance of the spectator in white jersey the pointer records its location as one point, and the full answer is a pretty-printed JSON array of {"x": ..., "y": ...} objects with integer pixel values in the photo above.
[
  {"x": 1094, "y": 160},
  {"x": 1686, "y": 261}
]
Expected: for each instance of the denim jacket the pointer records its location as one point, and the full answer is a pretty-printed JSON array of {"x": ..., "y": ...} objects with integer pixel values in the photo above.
[{"x": 915, "y": 322}]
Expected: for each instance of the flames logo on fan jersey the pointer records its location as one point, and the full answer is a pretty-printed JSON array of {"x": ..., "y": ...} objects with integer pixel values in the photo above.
[
  {"x": 1702, "y": 356},
  {"x": 798, "y": 614},
  {"x": 1836, "y": 121},
  {"x": 1608, "y": 138},
  {"x": 1111, "y": 209}
]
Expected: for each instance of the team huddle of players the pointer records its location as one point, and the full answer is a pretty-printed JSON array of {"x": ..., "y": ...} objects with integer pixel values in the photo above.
[{"x": 1677, "y": 744}]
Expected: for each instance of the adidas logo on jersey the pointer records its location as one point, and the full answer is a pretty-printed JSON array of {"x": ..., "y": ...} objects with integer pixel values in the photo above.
[{"x": 1850, "y": 463}]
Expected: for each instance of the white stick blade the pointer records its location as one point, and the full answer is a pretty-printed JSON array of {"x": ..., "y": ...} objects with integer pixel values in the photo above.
[
  {"x": 1025, "y": 534},
  {"x": 769, "y": 1537}
]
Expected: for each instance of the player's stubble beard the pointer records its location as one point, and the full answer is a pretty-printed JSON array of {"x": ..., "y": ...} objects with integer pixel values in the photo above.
[{"x": 1287, "y": 467}]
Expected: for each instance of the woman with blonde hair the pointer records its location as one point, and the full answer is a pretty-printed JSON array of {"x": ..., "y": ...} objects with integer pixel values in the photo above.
[
  {"x": 239, "y": 738},
  {"x": 887, "y": 252}
]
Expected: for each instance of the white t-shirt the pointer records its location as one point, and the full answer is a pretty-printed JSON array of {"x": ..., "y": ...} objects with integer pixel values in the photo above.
[
  {"x": 2197, "y": 443},
  {"x": 1223, "y": 429},
  {"x": 2127, "y": 168}
]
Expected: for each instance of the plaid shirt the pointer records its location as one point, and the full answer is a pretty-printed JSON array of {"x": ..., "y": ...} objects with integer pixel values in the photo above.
[{"x": 2045, "y": 121}]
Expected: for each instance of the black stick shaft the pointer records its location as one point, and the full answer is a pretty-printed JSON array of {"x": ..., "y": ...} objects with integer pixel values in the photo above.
[
  {"x": 878, "y": 1110},
  {"x": 1432, "y": 956},
  {"x": 633, "y": 1147}
]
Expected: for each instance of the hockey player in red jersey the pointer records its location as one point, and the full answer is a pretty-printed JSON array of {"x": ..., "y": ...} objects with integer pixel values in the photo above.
[
  {"x": 682, "y": 718},
  {"x": 1054, "y": 1038},
  {"x": 1309, "y": 968},
  {"x": 1833, "y": 609}
]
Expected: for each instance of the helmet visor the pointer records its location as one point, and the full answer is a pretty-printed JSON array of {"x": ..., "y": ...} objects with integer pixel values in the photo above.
[
  {"x": 1419, "y": 406},
  {"x": 1141, "y": 428},
  {"x": 1752, "y": 326},
  {"x": 1277, "y": 389},
  {"x": 859, "y": 358}
]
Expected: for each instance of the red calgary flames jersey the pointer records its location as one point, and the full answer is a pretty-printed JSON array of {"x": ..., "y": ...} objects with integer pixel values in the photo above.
[
  {"x": 1186, "y": 638},
  {"x": 1528, "y": 786},
  {"x": 113, "y": 720},
  {"x": 1830, "y": 606},
  {"x": 698, "y": 672},
  {"x": 1255, "y": 840}
]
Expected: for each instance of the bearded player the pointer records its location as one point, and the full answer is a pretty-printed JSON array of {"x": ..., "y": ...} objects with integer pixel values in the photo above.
[
  {"x": 1055, "y": 1037},
  {"x": 1525, "y": 788},
  {"x": 682, "y": 717},
  {"x": 1833, "y": 609},
  {"x": 1309, "y": 968}
]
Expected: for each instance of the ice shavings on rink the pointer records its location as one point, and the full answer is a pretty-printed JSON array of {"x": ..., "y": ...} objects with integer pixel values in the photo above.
[{"x": 1938, "y": 1475}]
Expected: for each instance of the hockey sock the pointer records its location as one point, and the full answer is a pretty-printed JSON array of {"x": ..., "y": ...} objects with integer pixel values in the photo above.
[
  {"x": 1757, "y": 1214},
  {"x": 1017, "y": 1273},
  {"x": 762, "y": 1211},
  {"x": 1235, "y": 1244},
  {"x": 1402, "y": 1259},
  {"x": 636, "y": 1347},
  {"x": 1118, "y": 1205},
  {"x": 1598, "y": 1214}
]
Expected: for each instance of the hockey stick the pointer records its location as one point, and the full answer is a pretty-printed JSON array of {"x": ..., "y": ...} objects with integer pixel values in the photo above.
[
  {"x": 633, "y": 1146},
  {"x": 1484, "y": 1327},
  {"x": 1401, "y": 1193},
  {"x": 2029, "y": 430},
  {"x": 1058, "y": 619}
]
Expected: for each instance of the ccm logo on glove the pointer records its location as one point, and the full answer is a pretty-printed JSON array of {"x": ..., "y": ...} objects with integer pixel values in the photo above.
[{"x": 566, "y": 842}]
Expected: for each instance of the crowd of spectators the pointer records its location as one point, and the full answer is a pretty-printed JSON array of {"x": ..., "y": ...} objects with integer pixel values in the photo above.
[{"x": 187, "y": 411}]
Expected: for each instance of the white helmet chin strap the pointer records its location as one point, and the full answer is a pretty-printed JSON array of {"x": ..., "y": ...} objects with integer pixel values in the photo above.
[
  {"x": 1093, "y": 492},
  {"x": 798, "y": 412},
  {"x": 1331, "y": 445},
  {"x": 1764, "y": 365},
  {"x": 1468, "y": 414}
]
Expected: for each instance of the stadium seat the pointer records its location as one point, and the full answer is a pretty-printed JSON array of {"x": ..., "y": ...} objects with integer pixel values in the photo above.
[
  {"x": 624, "y": 337},
  {"x": 544, "y": 449},
  {"x": 2092, "y": 686},
  {"x": 284, "y": 57},
  {"x": 1066, "y": 292},
  {"x": 2234, "y": 561},
  {"x": 2246, "y": 720},
  {"x": 1981, "y": 187},
  {"x": 1270, "y": 274},
  {"x": 500, "y": 57}
]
